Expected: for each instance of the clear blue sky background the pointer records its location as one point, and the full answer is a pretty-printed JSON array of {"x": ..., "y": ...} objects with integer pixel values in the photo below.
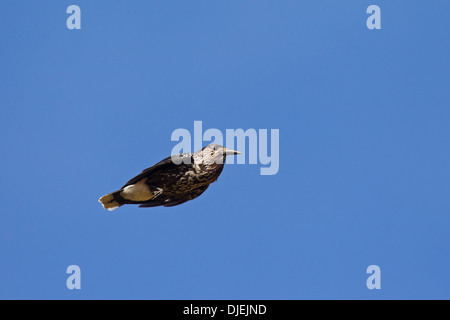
[{"x": 364, "y": 148}]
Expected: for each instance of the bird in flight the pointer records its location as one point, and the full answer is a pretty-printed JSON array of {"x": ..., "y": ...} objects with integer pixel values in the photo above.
[{"x": 172, "y": 181}]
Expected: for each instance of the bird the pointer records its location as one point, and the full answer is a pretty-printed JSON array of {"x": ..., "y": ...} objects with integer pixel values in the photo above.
[{"x": 172, "y": 181}]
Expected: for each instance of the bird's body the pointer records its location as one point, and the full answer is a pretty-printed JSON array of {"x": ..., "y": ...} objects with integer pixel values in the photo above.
[{"x": 172, "y": 181}]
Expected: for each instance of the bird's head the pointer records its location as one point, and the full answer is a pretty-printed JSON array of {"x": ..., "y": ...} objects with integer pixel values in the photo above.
[{"x": 215, "y": 153}]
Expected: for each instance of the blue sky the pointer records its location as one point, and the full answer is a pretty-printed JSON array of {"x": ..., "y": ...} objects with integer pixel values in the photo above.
[{"x": 364, "y": 173}]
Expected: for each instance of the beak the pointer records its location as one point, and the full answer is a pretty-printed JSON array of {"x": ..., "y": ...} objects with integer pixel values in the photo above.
[{"x": 229, "y": 152}]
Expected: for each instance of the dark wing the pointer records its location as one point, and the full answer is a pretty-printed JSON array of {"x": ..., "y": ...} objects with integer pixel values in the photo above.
[
  {"x": 168, "y": 163},
  {"x": 175, "y": 201}
]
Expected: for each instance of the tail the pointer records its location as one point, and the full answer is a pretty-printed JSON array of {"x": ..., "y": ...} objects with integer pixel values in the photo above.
[{"x": 111, "y": 201}]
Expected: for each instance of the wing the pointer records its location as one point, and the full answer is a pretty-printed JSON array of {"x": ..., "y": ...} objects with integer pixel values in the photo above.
[
  {"x": 169, "y": 163},
  {"x": 175, "y": 201}
]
